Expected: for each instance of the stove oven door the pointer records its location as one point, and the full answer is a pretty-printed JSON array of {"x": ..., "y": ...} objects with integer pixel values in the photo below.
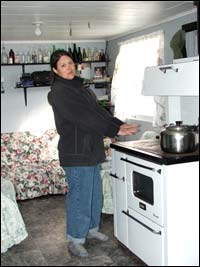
[
  {"x": 145, "y": 188},
  {"x": 145, "y": 239}
]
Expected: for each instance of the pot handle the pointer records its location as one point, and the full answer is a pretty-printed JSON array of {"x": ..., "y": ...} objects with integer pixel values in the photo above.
[
  {"x": 165, "y": 125},
  {"x": 178, "y": 123}
]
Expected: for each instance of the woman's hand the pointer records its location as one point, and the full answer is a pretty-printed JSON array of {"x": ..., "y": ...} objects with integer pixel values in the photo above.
[{"x": 128, "y": 129}]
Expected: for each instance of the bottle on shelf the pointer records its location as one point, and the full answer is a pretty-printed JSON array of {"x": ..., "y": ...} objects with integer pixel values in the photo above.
[
  {"x": 22, "y": 57},
  {"x": 28, "y": 57},
  {"x": 17, "y": 58},
  {"x": 53, "y": 48},
  {"x": 66, "y": 47},
  {"x": 89, "y": 54},
  {"x": 4, "y": 56},
  {"x": 75, "y": 54},
  {"x": 11, "y": 57},
  {"x": 40, "y": 56},
  {"x": 34, "y": 56},
  {"x": 78, "y": 70},
  {"x": 95, "y": 55},
  {"x": 2, "y": 85},
  {"x": 102, "y": 55},
  {"x": 45, "y": 56},
  {"x": 106, "y": 52},
  {"x": 85, "y": 57},
  {"x": 80, "y": 57},
  {"x": 48, "y": 54},
  {"x": 70, "y": 51}
]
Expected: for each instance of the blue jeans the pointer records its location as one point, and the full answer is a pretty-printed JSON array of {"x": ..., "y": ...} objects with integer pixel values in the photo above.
[{"x": 83, "y": 201}]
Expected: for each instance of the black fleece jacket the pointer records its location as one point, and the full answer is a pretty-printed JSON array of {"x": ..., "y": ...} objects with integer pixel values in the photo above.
[{"x": 81, "y": 123}]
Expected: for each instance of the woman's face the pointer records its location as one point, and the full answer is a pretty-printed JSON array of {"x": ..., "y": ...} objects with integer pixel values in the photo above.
[{"x": 65, "y": 68}]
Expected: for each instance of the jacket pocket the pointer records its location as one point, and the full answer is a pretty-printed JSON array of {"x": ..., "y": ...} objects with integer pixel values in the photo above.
[{"x": 88, "y": 144}]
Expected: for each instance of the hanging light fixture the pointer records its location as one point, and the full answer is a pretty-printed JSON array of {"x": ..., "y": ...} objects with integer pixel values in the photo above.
[
  {"x": 38, "y": 31},
  {"x": 70, "y": 29}
]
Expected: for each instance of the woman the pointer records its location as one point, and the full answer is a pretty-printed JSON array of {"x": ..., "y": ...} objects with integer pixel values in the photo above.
[{"x": 82, "y": 125}]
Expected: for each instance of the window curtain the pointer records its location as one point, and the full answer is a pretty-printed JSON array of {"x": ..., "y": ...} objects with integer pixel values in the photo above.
[
  {"x": 191, "y": 43},
  {"x": 134, "y": 56}
]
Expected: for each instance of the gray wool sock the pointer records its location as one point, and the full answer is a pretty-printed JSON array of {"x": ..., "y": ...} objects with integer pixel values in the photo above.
[
  {"x": 77, "y": 249},
  {"x": 97, "y": 235}
]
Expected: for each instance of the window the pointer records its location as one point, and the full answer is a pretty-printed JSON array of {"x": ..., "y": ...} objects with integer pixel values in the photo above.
[{"x": 134, "y": 55}]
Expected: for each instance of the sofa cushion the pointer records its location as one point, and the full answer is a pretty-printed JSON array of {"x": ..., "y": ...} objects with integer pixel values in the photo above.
[
  {"x": 31, "y": 163},
  {"x": 13, "y": 230}
]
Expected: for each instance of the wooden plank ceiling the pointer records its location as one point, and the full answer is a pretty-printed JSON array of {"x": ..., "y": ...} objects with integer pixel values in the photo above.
[{"x": 89, "y": 20}]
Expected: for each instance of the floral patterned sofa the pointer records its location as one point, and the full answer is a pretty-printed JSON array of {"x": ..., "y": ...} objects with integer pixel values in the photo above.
[
  {"x": 13, "y": 230},
  {"x": 31, "y": 163}
]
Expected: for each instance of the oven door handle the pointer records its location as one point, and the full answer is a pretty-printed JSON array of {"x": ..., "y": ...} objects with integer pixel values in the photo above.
[
  {"x": 140, "y": 165},
  {"x": 116, "y": 177},
  {"x": 147, "y": 227}
]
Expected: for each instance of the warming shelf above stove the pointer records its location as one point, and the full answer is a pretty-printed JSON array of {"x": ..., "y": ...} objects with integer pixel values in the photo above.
[{"x": 178, "y": 79}]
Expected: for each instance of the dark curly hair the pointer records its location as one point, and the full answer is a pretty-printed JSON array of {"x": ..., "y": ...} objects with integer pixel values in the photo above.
[{"x": 56, "y": 55}]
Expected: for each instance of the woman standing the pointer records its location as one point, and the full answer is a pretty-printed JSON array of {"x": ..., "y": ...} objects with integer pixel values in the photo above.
[{"x": 81, "y": 124}]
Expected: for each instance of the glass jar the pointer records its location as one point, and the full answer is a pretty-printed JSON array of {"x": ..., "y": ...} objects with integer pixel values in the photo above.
[{"x": 4, "y": 56}]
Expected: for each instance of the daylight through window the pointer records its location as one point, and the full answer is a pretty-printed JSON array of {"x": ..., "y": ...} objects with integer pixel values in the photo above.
[{"x": 134, "y": 55}]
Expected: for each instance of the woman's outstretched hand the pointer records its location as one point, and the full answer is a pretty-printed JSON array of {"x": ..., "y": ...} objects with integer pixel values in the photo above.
[{"x": 128, "y": 129}]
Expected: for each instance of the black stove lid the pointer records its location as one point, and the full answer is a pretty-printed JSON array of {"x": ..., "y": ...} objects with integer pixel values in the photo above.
[{"x": 150, "y": 150}]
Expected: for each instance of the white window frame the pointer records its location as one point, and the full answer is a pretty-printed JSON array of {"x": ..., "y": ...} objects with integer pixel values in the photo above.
[{"x": 118, "y": 85}]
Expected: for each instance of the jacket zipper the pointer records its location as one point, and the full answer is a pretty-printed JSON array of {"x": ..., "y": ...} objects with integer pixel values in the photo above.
[{"x": 75, "y": 139}]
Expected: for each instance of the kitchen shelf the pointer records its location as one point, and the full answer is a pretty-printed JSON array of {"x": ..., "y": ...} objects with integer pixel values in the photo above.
[
  {"x": 23, "y": 71},
  {"x": 21, "y": 64},
  {"x": 93, "y": 61},
  {"x": 103, "y": 82},
  {"x": 31, "y": 86},
  {"x": 31, "y": 64},
  {"x": 25, "y": 90},
  {"x": 26, "y": 64}
]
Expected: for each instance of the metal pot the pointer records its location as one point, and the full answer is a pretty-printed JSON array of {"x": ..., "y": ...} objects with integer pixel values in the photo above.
[{"x": 179, "y": 138}]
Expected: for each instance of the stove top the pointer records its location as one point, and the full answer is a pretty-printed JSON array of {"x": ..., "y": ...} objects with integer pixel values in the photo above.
[{"x": 150, "y": 149}]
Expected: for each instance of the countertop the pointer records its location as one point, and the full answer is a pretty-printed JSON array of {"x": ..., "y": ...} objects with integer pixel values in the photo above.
[{"x": 151, "y": 150}]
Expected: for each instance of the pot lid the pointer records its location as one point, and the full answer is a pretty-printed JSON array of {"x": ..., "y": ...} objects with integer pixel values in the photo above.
[{"x": 180, "y": 127}]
